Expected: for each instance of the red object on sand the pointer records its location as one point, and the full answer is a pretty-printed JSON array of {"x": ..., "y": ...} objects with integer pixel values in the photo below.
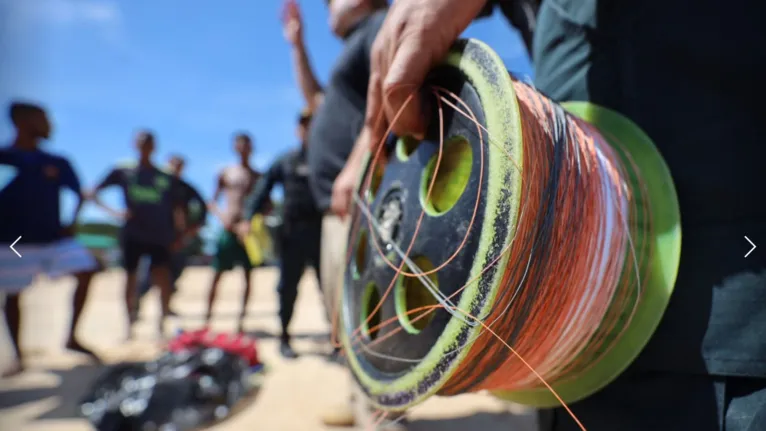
[{"x": 239, "y": 345}]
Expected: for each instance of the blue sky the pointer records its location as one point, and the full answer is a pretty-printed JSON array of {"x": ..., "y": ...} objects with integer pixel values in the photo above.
[{"x": 194, "y": 71}]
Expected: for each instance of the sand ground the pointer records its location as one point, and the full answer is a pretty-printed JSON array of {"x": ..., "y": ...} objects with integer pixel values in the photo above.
[{"x": 293, "y": 395}]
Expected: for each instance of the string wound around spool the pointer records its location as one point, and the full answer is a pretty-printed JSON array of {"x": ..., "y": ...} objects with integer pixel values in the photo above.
[
  {"x": 403, "y": 364},
  {"x": 408, "y": 366}
]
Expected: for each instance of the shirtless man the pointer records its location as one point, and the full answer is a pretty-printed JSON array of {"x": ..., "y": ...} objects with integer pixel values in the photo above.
[{"x": 235, "y": 182}]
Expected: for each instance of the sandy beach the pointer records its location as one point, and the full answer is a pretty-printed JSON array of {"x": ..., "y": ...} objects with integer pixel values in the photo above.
[{"x": 293, "y": 395}]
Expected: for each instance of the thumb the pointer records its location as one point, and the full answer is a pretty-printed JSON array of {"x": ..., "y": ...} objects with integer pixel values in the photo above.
[
  {"x": 402, "y": 86},
  {"x": 344, "y": 202}
]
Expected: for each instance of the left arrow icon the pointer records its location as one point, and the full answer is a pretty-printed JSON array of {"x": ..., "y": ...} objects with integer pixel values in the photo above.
[{"x": 14, "y": 250}]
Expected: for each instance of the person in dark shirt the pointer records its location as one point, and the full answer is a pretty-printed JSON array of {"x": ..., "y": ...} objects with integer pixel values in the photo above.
[
  {"x": 151, "y": 198},
  {"x": 301, "y": 225},
  {"x": 339, "y": 115},
  {"x": 191, "y": 217},
  {"x": 30, "y": 220},
  {"x": 339, "y": 107},
  {"x": 691, "y": 79}
]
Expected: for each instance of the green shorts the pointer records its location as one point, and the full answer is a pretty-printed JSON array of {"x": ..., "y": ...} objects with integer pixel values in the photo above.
[{"x": 230, "y": 253}]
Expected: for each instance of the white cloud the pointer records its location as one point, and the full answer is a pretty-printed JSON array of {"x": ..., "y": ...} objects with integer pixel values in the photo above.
[
  {"x": 21, "y": 20},
  {"x": 64, "y": 12}
]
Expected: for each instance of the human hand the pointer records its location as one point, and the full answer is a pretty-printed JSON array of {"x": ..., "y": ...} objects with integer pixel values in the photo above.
[
  {"x": 292, "y": 22},
  {"x": 177, "y": 244},
  {"x": 343, "y": 187},
  {"x": 415, "y": 36},
  {"x": 68, "y": 231},
  {"x": 123, "y": 215},
  {"x": 242, "y": 229},
  {"x": 348, "y": 178}
]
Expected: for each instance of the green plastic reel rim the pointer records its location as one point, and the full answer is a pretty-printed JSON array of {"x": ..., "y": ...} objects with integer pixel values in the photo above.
[
  {"x": 665, "y": 255},
  {"x": 487, "y": 74}
]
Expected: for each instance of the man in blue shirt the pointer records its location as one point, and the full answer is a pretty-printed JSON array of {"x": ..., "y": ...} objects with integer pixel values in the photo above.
[{"x": 30, "y": 218}]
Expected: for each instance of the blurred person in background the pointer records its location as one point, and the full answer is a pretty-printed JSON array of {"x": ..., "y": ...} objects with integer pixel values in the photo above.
[
  {"x": 339, "y": 114},
  {"x": 191, "y": 218},
  {"x": 694, "y": 85},
  {"x": 301, "y": 226},
  {"x": 152, "y": 199},
  {"x": 31, "y": 218},
  {"x": 340, "y": 111},
  {"x": 235, "y": 183}
]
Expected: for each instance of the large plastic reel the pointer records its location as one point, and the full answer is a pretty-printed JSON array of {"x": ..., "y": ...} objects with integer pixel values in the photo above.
[{"x": 432, "y": 351}]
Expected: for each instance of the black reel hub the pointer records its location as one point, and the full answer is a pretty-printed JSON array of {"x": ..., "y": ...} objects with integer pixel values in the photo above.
[{"x": 396, "y": 201}]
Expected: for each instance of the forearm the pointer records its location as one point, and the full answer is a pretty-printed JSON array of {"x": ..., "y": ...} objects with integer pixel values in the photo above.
[
  {"x": 307, "y": 81},
  {"x": 77, "y": 208},
  {"x": 362, "y": 146},
  {"x": 93, "y": 197},
  {"x": 190, "y": 231},
  {"x": 254, "y": 204},
  {"x": 212, "y": 206}
]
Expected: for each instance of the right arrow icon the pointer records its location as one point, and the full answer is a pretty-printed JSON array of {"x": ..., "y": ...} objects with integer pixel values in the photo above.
[{"x": 751, "y": 250}]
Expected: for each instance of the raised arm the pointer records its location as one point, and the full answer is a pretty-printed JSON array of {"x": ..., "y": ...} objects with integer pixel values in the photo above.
[
  {"x": 212, "y": 206},
  {"x": 70, "y": 180},
  {"x": 293, "y": 29}
]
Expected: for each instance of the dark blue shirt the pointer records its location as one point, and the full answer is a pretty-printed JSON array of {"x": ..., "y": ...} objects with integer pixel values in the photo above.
[
  {"x": 195, "y": 207},
  {"x": 292, "y": 171},
  {"x": 30, "y": 203},
  {"x": 151, "y": 197},
  {"x": 340, "y": 117},
  {"x": 690, "y": 74}
]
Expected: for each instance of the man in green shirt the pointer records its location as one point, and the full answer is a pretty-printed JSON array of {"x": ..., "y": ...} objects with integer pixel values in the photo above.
[
  {"x": 152, "y": 199},
  {"x": 193, "y": 217}
]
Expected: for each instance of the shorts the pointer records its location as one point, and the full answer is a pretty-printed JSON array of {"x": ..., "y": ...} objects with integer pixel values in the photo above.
[
  {"x": 132, "y": 251},
  {"x": 335, "y": 233},
  {"x": 56, "y": 259},
  {"x": 230, "y": 252}
]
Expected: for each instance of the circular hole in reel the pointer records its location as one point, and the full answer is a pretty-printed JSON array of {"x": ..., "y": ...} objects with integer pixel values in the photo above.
[
  {"x": 360, "y": 254},
  {"x": 370, "y": 323},
  {"x": 451, "y": 179},
  {"x": 413, "y": 299},
  {"x": 405, "y": 147},
  {"x": 375, "y": 181}
]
